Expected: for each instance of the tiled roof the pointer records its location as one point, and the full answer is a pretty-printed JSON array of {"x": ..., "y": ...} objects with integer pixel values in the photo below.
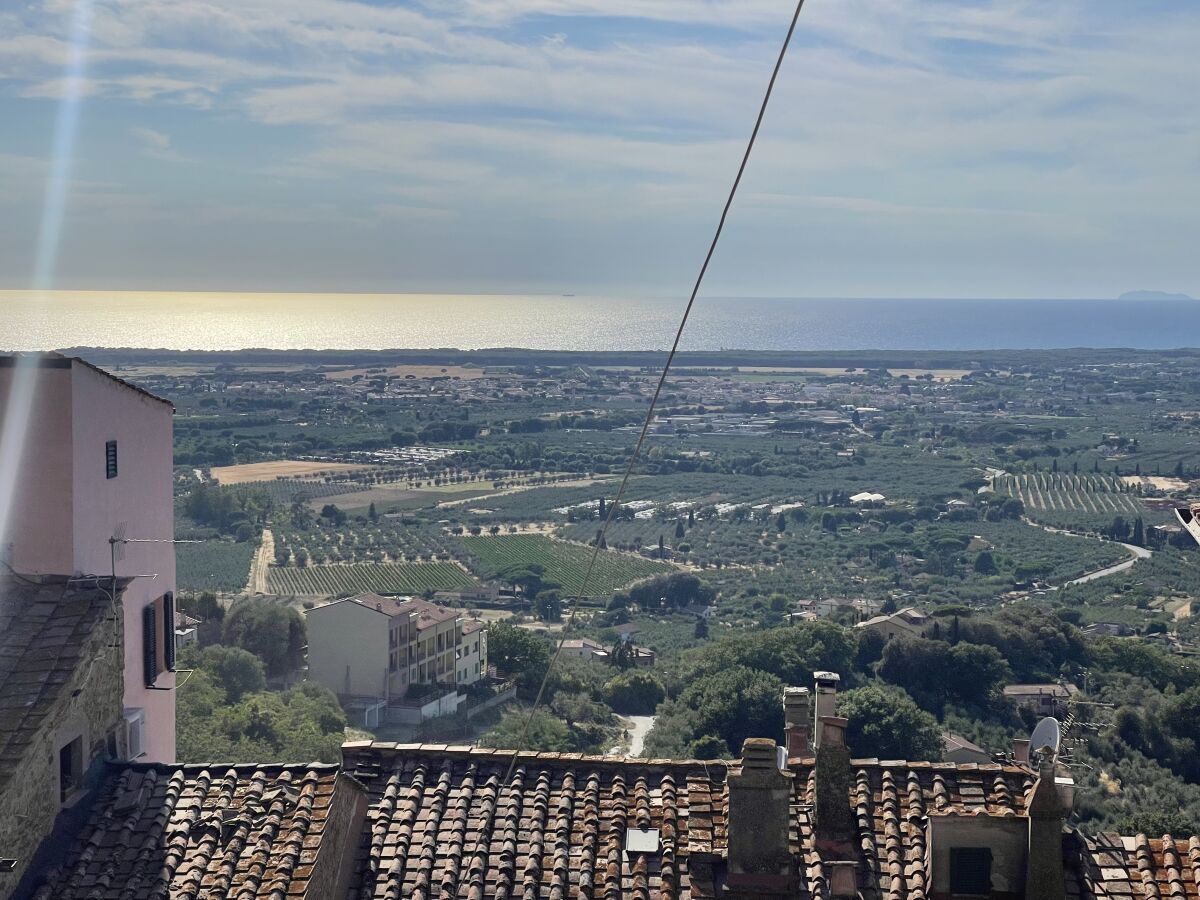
[
  {"x": 892, "y": 800},
  {"x": 1162, "y": 868},
  {"x": 427, "y": 613},
  {"x": 430, "y": 613},
  {"x": 44, "y": 628},
  {"x": 444, "y": 822},
  {"x": 189, "y": 831}
]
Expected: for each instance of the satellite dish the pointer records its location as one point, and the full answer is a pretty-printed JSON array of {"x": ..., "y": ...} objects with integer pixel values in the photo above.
[
  {"x": 1187, "y": 518},
  {"x": 1046, "y": 736}
]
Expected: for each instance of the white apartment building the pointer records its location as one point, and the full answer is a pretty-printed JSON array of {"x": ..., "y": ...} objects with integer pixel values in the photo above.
[{"x": 371, "y": 646}]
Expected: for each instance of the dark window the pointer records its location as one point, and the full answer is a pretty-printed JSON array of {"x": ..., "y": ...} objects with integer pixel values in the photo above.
[
  {"x": 168, "y": 631},
  {"x": 110, "y": 459},
  {"x": 149, "y": 644},
  {"x": 970, "y": 870},
  {"x": 70, "y": 768}
]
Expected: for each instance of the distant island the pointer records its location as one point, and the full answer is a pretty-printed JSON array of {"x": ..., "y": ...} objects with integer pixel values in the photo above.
[{"x": 1152, "y": 295}]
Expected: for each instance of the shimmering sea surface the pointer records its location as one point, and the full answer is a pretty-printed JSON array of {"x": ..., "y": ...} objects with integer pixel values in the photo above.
[{"x": 227, "y": 321}]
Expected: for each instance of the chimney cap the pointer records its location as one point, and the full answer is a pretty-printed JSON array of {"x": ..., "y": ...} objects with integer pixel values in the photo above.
[
  {"x": 825, "y": 679},
  {"x": 796, "y": 693}
]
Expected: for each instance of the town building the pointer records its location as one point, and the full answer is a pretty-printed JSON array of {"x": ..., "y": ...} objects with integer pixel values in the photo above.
[
  {"x": 594, "y": 651},
  {"x": 1042, "y": 699},
  {"x": 908, "y": 622},
  {"x": 86, "y": 490},
  {"x": 471, "y": 658},
  {"x": 374, "y": 647},
  {"x": 957, "y": 749}
]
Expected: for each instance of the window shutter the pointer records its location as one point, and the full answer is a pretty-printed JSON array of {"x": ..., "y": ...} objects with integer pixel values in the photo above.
[
  {"x": 169, "y": 631},
  {"x": 149, "y": 644},
  {"x": 110, "y": 459}
]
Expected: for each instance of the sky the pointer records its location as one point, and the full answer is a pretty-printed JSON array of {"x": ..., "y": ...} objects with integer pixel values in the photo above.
[{"x": 914, "y": 148}]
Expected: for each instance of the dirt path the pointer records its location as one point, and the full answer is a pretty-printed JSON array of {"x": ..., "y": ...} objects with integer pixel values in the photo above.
[
  {"x": 263, "y": 557},
  {"x": 516, "y": 489},
  {"x": 636, "y": 729}
]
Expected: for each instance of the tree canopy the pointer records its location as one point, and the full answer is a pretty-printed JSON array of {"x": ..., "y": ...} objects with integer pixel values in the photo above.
[{"x": 885, "y": 722}]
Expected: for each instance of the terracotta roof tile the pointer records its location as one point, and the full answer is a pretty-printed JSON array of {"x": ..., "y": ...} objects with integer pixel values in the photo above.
[
  {"x": 1163, "y": 868},
  {"x": 190, "y": 831},
  {"x": 448, "y": 824}
]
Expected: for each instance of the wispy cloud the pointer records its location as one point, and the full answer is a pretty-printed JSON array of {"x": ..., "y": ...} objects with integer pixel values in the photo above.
[
  {"x": 468, "y": 120},
  {"x": 155, "y": 144}
]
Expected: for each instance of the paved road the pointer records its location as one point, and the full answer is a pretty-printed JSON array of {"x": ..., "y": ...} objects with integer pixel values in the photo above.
[{"x": 1135, "y": 553}]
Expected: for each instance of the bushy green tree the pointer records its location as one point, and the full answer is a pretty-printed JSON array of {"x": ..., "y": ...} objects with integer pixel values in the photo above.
[
  {"x": 791, "y": 654},
  {"x": 305, "y": 722},
  {"x": 886, "y": 723},
  {"x": 273, "y": 632},
  {"x": 237, "y": 671},
  {"x": 634, "y": 693},
  {"x": 515, "y": 730},
  {"x": 736, "y": 703}
]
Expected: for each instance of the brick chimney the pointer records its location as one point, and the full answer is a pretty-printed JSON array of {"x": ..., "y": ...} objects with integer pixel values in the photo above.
[
  {"x": 1020, "y": 748},
  {"x": 1044, "y": 878},
  {"x": 833, "y": 819},
  {"x": 826, "y": 701},
  {"x": 797, "y": 719},
  {"x": 760, "y": 860}
]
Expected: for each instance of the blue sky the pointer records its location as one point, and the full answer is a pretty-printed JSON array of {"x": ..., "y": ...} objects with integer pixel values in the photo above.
[{"x": 915, "y": 147}]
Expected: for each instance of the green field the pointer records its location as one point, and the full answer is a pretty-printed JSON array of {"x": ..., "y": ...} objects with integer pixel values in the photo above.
[
  {"x": 384, "y": 578},
  {"x": 564, "y": 563},
  {"x": 213, "y": 566},
  {"x": 1077, "y": 502}
]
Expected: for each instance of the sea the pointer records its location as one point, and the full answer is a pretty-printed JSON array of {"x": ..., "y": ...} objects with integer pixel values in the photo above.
[{"x": 232, "y": 321}]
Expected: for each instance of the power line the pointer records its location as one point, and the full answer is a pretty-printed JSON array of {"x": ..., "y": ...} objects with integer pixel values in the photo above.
[{"x": 762, "y": 111}]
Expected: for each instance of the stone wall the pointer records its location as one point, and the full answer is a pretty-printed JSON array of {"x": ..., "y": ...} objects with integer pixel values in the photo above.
[
  {"x": 30, "y": 802},
  {"x": 334, "y": 865}
]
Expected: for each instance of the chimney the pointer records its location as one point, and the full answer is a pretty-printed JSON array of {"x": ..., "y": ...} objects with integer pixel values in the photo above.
[
  {"x": 826, "y": 705},
  {"x": 833, "y": 819},
  {"x": 797, "y": 720},
  {"x": 1044, "y": 878},
  {"x": 1021, "y": 750},
  {"x": 760, "y": 859}
]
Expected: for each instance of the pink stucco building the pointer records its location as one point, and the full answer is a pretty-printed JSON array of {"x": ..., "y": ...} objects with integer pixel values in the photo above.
[{"x": 87, "y": 456}]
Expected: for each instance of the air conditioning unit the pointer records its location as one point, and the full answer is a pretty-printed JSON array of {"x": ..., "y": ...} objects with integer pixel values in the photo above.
[{"x": 135, "y": 733}]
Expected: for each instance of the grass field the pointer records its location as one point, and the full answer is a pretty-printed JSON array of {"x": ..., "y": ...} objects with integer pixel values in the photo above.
[
  {"x": 385, "y": 578},
  {"x": 288, "y": 468},
  {"x": 213, "y": 565},
  {"x": 565, "y": 563}
]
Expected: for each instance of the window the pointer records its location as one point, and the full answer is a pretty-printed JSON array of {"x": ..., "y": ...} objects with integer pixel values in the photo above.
[
  {"x": 158, "y": 638},
  {"x": 110, "y": 459},
  {"x": 70, "y": 768},
  {"x": 970, "y": 870}
]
